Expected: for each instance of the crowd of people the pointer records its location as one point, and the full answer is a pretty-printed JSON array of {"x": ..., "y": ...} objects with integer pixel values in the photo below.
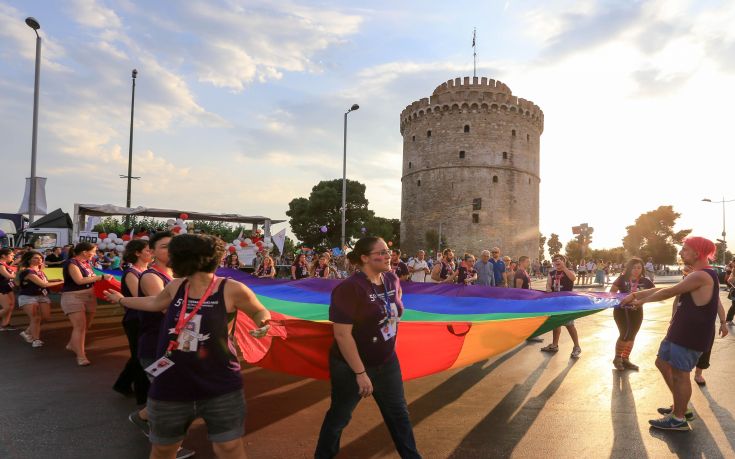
[{"x": 179, "y": 317}]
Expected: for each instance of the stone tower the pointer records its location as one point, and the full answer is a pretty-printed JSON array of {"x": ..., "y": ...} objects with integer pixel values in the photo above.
[{"x": 471, "y": 169}]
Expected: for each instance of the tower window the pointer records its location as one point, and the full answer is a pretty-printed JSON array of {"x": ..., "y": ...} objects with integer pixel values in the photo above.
[
  {"x": 475, "y": 218},
  {"x": 495, "y": 179},
  {"x": 413, "y": 138},
  {"x": 409, "y": 164},
  {"x": 528, "y": 137},
  {"x": 477, "y": 204},
  {"x": 505, "y": 155},
  {"x": 461, "y": 154},
  {"x": 466, "y": 128},
  {"x": 513, "y": 132},
  {"x": 529, "y": 181},
  {"x": 418, "y": 183},
  {"x": 428, "y": 133}
]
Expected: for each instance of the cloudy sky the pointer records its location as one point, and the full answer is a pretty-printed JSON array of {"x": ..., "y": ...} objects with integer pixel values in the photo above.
[{"x": 239, "y": 104}]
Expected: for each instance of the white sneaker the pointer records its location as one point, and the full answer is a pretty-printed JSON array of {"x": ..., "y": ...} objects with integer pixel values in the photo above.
[
  {"x": 26, "y": 336},
  {"x": 37, "y": 343}
]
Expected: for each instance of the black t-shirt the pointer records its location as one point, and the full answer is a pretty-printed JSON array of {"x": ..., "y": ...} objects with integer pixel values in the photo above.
[
  {"x": 560, "y": 282},
  {"x": 400, "y": 269},
  {"x": 521, "y": 274},
  {"x": 54, "y": 260},
  {"x": 630, "y": 286}
]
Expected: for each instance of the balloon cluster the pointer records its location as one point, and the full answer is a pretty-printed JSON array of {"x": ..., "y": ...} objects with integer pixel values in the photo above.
[
  {"x": 253, "y": 243},
  {"x": 110, "y": 241},
  {"x": 178, "y": 226}
]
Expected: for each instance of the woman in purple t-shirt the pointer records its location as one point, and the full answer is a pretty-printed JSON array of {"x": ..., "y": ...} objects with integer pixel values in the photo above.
[
  {"x": 198, "y": 373},
  {"x": 365, "y": 310}
]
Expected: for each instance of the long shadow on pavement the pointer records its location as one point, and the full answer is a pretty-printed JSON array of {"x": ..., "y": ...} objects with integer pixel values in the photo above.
[
  {"x": 723, "y": 416},
  {"x": 698, "y": 443},
  {"x": 627, "y": 441},
  {"x": 502, "y": 429},
  {"x": 378, "y": 442}
]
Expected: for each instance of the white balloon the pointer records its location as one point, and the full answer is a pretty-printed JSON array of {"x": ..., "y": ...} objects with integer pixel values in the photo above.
[
  {"x": 180, "y": 222},
  {"x": 236, "y": 242},
  {"x": 118, "y": 241},
  {"x": 248, "y": 241},
  {"x": 145, "y": 238},
  {"x": 111, "y": 236},
  {"x": 183, "y": 231},
  {"x": 170, "y": 222}
]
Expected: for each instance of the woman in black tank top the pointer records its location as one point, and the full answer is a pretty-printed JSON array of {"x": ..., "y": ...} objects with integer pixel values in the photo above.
[{"x": 199, "y": 346}]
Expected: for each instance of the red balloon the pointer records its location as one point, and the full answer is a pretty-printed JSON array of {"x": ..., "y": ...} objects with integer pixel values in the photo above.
[
  {"x": 243, "y": 244},
  {"x": 259, "y": 243},
  {"x": 184, "y": 216},
  {"x": 126, "y": 237},
  {"x": 232, "y": 249},
  {"x": 102, "y": 236},
  {"x": 176, "y": 229}
]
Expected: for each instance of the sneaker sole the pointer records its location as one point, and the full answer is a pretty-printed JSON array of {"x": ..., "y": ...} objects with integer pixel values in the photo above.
[
  {"x": 678, "y": 429},
  {"x": 689, "y": 417},
  {"x": 132, "y": 420}
]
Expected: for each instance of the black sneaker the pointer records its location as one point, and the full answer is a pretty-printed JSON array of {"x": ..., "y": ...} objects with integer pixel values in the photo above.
[
  {"x": 689, "y": 415},
  {"x": 140, "y": 423}
]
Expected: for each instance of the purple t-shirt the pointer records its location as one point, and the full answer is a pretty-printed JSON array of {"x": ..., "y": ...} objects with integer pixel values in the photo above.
[
  {"x": 400, "y": 269},
  {"x": 359, "y": 302},
  {"x": 523, "y": 276}
]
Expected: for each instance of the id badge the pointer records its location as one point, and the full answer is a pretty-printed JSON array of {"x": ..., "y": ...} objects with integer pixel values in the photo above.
[
  {"x": 189, "y": 337},
  {"x": 159, "y": 366},
  {"x": 389, "y": 329}
]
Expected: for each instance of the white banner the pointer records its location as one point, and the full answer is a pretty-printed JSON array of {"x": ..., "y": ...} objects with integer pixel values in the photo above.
[
  {"x": 279, "y": 239},
  {"x": 40, "y": 208}
]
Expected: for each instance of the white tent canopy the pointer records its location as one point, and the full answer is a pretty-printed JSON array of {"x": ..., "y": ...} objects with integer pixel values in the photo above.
[{"x": 82, "y": 211}]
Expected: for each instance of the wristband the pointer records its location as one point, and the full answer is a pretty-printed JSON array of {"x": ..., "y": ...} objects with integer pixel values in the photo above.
[
  {"x": 361, "y": 373},
  {"x": 120, "y": 301}
]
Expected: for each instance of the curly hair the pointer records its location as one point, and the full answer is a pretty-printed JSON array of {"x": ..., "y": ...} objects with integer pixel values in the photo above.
[
  {"x": 132, "y": 248},
  {"x": 192, "y": 253}
]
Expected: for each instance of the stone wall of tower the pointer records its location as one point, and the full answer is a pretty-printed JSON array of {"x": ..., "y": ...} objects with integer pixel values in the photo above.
[{"x": 471, "y": 139}]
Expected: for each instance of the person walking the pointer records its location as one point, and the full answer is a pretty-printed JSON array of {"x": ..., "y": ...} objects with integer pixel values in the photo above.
[
  {"x": 33, "y": 294},
  {"x": 628, "y": 320},
  {"x": 137, "y": 256},
  {"x": 691, "y": 330},
  {"x": 561, "y": 279},
  {"x": 77, "y": 297},
  {"x": 485, "y": 270},
  {"x": 498, "y": 267},
  {"x": 197, "y": 373},
  {"x": 418, "y": 267},
  {"x": 365, "y": 310},
  {"x": 7, "y": 288}
]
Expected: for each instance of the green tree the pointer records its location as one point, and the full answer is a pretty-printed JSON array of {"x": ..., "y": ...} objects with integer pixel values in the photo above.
[
  {"x": 573, "y": 251},
  {"x": 387, "y": 228},
  {"x": 720, "y": 249},
  {"x": 323, "y": 209},
  {"x": 653, "y": 235},
  {"x": 554, "y": 244},
  {"x": 541, "y": 245},
  {"x": 614, "y": 255}
]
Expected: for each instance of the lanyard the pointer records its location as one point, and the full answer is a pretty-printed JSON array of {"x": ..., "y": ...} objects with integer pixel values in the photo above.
[
  {"x": 173, "y": 344},
  {"x": 84, "y": 267},
  {"x": 386, "y": 297},
  {"x": 557, "y": 280}
]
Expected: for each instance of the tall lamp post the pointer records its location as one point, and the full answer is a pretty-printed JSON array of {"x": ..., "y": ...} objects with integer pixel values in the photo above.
[
  {"x": 130, "y": 143},
  {"x": 344, "y": 175},
  {"x": 33, "y": 24},
  {"x": 724, "y": 232}
]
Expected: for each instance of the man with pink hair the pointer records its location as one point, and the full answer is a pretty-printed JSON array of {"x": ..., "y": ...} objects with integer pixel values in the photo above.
[{"x": 691, "y": 331}]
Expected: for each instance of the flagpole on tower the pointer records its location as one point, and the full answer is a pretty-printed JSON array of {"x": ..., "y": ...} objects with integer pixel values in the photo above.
[{"x": 474, "y": 52}]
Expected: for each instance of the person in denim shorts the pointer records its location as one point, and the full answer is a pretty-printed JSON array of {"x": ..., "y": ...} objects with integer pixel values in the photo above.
[
  {"x": 691, "y": 331},
  {"x": 33, "y": 295},
  {"x": 197, "y": 373}
]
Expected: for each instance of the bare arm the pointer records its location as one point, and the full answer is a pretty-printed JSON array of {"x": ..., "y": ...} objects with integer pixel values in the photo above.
[
  {"x": 78, "y": 278},
  {"x": 723, "y": 326},
  {"x": 348, "y": 349},
  {"x": 5, "y": 273},
  {"x": 131, "y": 280},
  {"x": 435, "y": 273},
  {"x": 690, "y": 283},
  {"x": 42, "y": 283},
  {"x": 570, "y": 274},
  {"x": 151, "y": 284},
  {"x": 518, "y": 283},
  {"x": 243, "y": 299},
  {"x": 293, "y": 272},
  {"x": 156, "y": 303}
]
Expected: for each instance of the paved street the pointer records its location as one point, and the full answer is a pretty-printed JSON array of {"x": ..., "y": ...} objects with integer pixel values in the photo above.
[{"x": 522, "y": 404}]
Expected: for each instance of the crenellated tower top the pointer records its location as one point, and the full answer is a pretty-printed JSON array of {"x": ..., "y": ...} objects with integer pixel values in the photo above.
[{"x": 480, "y": 94}]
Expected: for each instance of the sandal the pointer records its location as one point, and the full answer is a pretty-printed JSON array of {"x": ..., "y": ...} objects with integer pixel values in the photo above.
[
  {"x": 700, "y": 381},
  {"x": 83, "y": 362},
  {"x": 550, "y": 348}
]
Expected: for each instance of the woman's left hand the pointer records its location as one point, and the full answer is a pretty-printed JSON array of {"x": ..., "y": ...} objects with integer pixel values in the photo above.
[
  {"x": 260, "y": 332},
  {"x": 112, "y": 296}
]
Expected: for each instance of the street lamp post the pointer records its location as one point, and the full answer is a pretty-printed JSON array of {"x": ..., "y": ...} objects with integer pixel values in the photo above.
[
  {"x": 724, "y": 232},
  {"x": 344, "y": 174},
  {"x": 33, "y": 24},
  {"x": 130, "y": 177}
]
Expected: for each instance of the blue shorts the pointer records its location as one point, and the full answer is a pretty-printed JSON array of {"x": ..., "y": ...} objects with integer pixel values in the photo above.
[{"x": 679, "y": 357}]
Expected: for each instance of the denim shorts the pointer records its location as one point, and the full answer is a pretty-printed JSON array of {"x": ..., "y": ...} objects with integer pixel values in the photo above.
[
  {"x": 224, "y": 416},
  {"x": 679, "y": 357},
  {"x": 32, "y": 299}
]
